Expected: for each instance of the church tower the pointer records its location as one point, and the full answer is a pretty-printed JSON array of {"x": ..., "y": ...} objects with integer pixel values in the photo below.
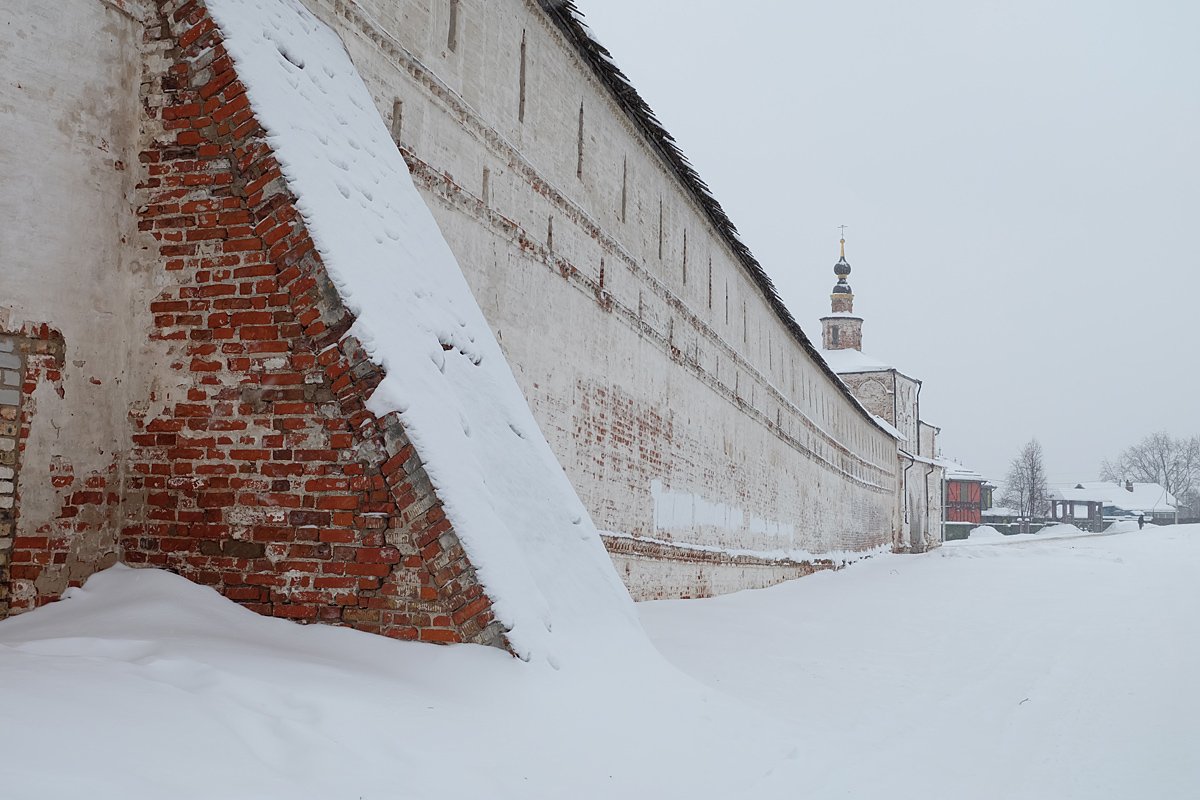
[{"x": 841, "y": 330}]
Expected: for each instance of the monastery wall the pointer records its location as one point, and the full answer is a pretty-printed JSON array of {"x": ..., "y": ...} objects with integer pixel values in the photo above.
[
  {"x": 683, "y": 410},
  {"x": 69, "y": 110},
  {"x": 702, "y": 437},
  {"x": 188, "y": 396}
]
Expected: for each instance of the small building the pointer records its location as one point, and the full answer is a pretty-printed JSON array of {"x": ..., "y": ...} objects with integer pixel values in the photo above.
[
  {"x": 968, "y": 494},
  {"x": 1079, "y": 507},
  {"x": 1131, "y": 500},
  {"x": 895, "y": 398}
]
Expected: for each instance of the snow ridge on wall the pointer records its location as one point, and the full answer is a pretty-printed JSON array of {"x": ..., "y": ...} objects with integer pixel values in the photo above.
[{"x": 536, "y": 550}]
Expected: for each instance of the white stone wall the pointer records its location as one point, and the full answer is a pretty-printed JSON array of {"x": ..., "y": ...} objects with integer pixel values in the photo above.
[
  {"x": 876, "y": 391},
  {"x": 935, "y": 481},
  {"x": 908, "y": 412},
  {"x": 68, "y": 255},
  {"x": 677, "y": 401}
]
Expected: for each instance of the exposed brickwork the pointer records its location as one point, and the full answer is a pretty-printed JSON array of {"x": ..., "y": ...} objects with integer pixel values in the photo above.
[
  {"x": 694, "y": 573},
  {"x": 255, "y": 466},
  {"x": 36, "y": 565},
  {"x": 12, "y": 378},
  {"x": 841, "y": 333}
]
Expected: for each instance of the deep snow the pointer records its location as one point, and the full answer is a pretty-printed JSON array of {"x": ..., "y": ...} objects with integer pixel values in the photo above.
[
  {"x": 1040, "y": 666},
  {"x": 1037, "y": 668}
]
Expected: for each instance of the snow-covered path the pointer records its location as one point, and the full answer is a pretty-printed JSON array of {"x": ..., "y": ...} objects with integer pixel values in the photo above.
[
  {"x": 1045, "y": 668},
  {"x": 1053, "y": 668}
]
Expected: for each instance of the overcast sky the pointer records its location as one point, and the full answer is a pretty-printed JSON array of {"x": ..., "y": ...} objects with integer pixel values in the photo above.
[{"x": 1020, "y": 179}]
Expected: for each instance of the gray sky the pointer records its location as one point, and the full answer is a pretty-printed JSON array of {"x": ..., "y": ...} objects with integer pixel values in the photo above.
[{"x": 1020, "y": 179}]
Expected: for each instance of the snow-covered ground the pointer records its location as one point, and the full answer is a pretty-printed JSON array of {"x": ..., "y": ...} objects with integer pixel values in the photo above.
[{"x": 1056, "y": 667}]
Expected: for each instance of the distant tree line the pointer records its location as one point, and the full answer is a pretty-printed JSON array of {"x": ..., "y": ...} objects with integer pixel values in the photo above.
[{"x": 1173, "y": 463}]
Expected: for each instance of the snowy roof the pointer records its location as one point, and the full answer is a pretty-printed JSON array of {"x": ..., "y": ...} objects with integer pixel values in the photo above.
[
  {"x": 841, "y": 315},
  {"x": 957, "y": 472},
  {"x": 1149, "y": 497},
  {"x": 851, "y": 360},
  {"x": 887, "y": 426},
  {"x": 1076, "y": 495},
  {"x": 933, "y": 462},
  {"x": 535, "y": 549}
]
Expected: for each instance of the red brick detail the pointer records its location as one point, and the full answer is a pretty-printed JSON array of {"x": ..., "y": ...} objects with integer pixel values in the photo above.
[
  {"x": 702, "y": 561},
  {"x": 260, "y": 471},
  {"x": 35, "y": 567}
]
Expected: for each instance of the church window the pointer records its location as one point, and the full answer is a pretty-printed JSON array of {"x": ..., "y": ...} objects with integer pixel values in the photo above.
[{"x": 834, "y": 335}]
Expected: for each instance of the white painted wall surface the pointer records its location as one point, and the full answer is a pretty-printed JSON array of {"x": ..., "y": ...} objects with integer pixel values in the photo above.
[
  {"x": 68, "y": 149},
  {"x": 646, "y": 381}
]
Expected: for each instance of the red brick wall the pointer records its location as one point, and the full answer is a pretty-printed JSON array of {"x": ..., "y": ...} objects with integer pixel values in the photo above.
[{"x": 255, "y": 466}]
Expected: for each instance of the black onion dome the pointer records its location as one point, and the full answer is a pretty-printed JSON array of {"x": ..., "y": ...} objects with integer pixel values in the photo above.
[
  {"x": 842, "y": 288},
  {"x": 842, "y": 267}
]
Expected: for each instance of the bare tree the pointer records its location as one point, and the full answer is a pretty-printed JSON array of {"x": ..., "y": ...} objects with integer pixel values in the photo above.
[
  {"x": 1026, "y": 488},
  {"x": 1189, "y": 505},
  {"x": 1172, "y": 463}
]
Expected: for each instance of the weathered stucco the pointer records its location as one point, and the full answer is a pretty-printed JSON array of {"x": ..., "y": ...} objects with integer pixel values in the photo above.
[{"x": 69, "y": 113}]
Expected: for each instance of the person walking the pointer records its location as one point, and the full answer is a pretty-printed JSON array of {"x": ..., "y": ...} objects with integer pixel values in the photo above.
[{"x": 1141, "y": 521}]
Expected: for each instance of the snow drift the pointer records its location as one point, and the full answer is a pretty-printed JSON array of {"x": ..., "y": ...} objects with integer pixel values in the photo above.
[{"x": 143, "y": 686}]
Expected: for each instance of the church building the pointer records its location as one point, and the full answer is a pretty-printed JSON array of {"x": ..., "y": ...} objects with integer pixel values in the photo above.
[{"x": 893, "y": 397}]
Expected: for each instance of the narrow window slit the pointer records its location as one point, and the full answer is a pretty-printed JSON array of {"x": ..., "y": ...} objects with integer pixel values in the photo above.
[
  {"x": 452, "y": 33},
  {"x": 685, "y": 258},
  {"x": 660, "y": 228},
  {"x": 579, "y": 146},
  {"x": 624, "y": 185},
  {"x": 397, "y": 119},
  {"x": 521, "y": 83}
]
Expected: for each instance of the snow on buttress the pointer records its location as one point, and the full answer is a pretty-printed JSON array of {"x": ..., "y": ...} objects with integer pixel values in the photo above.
[{"x": 534, "y": 546}]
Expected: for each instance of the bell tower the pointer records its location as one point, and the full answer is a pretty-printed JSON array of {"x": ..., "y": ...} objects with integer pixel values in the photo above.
[{"x": 841, "y": 330}]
